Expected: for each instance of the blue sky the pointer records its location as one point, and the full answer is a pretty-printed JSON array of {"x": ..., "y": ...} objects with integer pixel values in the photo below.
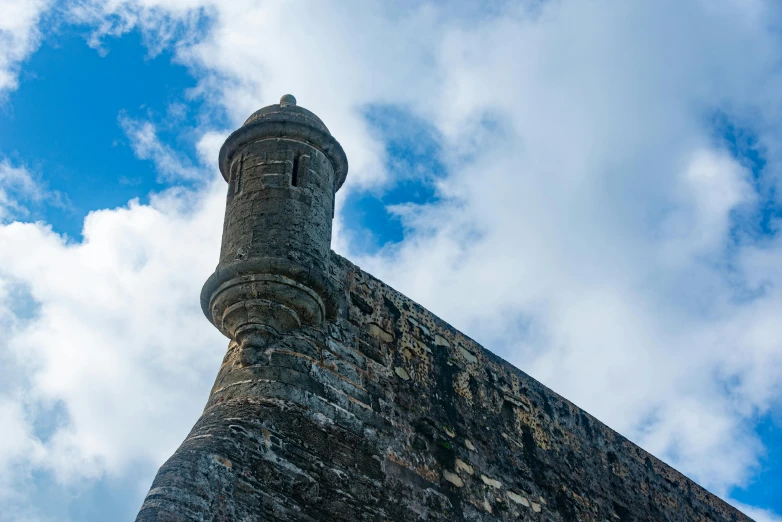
[
  {"x": 64, "y": 117},
  {"x": 592, "y": 193}
]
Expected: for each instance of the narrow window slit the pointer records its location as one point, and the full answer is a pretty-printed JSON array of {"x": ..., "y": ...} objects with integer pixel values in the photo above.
[
  {"x": 239, "y": 170},
  {"x": 295, "y": 173}
]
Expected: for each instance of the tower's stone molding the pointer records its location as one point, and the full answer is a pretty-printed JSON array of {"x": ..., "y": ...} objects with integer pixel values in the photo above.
[{"x": 340, "y": 399}]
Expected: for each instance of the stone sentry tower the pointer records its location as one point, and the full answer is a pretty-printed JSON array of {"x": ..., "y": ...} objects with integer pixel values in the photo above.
[
  {"x": 340, "y": 399},
  {"x": 283, "y": 169}
]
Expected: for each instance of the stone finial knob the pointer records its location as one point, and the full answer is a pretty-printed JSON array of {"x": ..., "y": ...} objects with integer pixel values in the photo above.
[{"x": 287, "y": 99}]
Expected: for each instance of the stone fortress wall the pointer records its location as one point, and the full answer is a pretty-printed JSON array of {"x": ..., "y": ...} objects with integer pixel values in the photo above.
[{"x": 339, "y": 399}]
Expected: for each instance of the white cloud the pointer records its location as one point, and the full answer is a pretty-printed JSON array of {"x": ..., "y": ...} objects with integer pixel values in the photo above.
[
  {"x": 110, "y": 330},
  {"x": 19, "y": 36},
  {"x": 591, "y": 228},
  {"x": 146, "y": 145},
  {"x": 758, "y": 515},
  {"x": 118, "y": 338},
  {"x": 18, "y": 445},
  {"x": 17, "y": 188},
  {"x": 23, "y": 193}
]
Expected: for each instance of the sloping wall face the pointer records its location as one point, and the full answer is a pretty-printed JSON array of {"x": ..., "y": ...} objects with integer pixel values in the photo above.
[{"x": 388, "y": 414}]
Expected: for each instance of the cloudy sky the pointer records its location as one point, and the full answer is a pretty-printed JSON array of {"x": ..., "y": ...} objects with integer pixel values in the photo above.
[{"x": 591, "y": 189}]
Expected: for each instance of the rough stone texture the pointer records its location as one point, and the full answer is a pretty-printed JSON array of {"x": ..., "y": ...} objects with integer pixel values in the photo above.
[{"x": 378, "y": 410}]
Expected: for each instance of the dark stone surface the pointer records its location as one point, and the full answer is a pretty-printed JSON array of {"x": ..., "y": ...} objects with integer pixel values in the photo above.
[{"x": 377, "y": 410}]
